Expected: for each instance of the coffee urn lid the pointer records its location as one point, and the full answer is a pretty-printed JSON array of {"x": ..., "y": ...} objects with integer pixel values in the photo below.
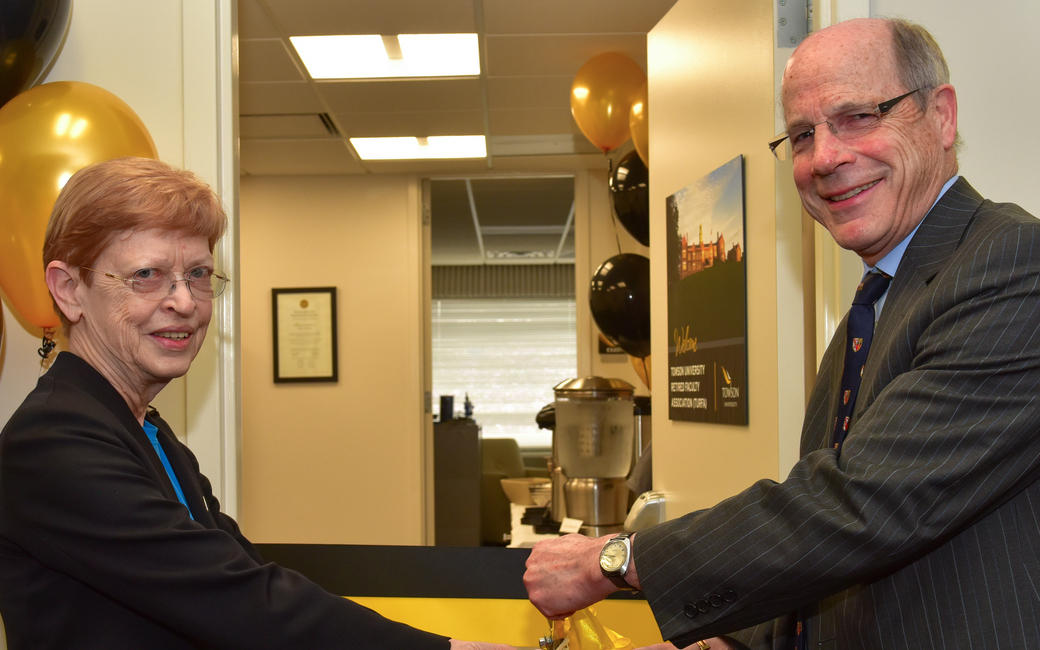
[{"x": 594, "y": 387}]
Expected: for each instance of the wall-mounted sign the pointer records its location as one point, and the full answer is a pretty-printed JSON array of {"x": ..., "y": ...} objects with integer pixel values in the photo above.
[
  {"x": 305, "y": 334},
  {"x": 707, "y": 299}
]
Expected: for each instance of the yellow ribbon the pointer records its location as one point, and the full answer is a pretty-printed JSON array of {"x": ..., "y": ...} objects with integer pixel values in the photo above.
[{"x": 585, "y": 632}]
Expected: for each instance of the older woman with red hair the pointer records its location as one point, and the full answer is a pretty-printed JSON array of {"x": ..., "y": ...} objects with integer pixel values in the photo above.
[{"x": 109, "y": 535}]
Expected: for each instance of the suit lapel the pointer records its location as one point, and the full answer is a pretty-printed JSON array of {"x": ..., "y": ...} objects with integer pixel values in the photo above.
[{"x": 934, "y": 243}]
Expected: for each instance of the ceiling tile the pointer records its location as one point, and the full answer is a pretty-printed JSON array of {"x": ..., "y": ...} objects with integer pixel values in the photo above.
[
  {"x": 557, "y": 55},
  {"x": 297, "y": 157},
  {"x": 532, "y": 121},
  {"x": 418, "y": 124},
  {"x": 452, "y": 232},
  {"x": 401, "y": 95},
  {"x": 266, "y": 60},
  {"x": 282, "y": 126},
  {"x": 573, "y": 16},
  {"x": 253, "y": 21},
  {"x": 308, "y": 18},
  {"x": 550, "y": 164},
  {"x": 523, "y": 201},
  {"x": 451, "y": 168},
  {"x": 529, "y": 92},
  {"x": 278, "y": 97}
]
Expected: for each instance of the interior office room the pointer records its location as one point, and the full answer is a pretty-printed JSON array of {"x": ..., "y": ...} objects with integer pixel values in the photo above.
[{"x": 350, "y": 462}]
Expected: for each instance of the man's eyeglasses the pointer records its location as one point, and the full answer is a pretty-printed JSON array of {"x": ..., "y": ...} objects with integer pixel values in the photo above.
[
  {"x": 846, "y": 126},
  {"x": 155, "y": 284}
]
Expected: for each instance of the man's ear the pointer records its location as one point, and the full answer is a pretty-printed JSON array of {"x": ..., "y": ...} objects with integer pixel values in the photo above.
[
  {"x": 946, "y": 107},
  {"x": 62, "y": 282}
]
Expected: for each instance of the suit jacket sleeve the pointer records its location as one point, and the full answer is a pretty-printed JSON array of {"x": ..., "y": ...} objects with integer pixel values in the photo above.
[{"x": 944, "y": 432}]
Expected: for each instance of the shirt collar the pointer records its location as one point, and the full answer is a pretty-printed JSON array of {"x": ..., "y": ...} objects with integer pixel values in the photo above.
[{"x": 890, "y": 263}]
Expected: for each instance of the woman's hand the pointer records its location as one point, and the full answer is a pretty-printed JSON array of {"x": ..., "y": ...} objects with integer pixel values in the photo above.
[{"x": 477, "y": 645}]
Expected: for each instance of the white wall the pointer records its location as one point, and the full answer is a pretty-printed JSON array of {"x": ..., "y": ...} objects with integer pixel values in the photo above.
[{"x": 993, "y": 53}]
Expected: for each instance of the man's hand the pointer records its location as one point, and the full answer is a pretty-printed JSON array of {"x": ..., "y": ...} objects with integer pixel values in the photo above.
[{"x": 563, "y": 575}]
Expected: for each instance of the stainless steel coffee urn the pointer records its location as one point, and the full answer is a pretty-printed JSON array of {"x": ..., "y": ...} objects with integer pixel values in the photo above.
[{"x": 593, "y": 444}]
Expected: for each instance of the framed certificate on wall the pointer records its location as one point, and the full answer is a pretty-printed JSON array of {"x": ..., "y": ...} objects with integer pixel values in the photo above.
[{"x": 305, "y": 334}]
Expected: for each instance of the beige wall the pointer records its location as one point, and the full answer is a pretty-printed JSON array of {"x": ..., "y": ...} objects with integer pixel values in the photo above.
[
  {"x": 339, "y": 462},
  {"x": 711, "y": 97}
]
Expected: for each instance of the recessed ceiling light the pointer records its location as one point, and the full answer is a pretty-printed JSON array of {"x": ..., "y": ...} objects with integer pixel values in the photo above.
[
  {"x": 445, "y": 146},
  {"x": 402, "y": 55}
]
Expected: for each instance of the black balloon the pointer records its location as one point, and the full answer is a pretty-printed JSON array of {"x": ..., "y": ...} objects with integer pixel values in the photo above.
[
  {"x": 619, "y": 298},
  {"x": 31, "y": 33},
  {"x": 630, "y": 196}
]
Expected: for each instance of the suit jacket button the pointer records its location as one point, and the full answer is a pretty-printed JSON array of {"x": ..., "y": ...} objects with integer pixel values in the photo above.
[
  {"x": 716, "y": 600},
  {"x": 729, "y": 596},
  {"x": 703, "y": 606},
  {"x": 690, "y": 610}
]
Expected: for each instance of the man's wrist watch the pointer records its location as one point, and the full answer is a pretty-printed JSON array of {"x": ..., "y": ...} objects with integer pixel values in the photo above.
[{"x": 614, "y": 559}]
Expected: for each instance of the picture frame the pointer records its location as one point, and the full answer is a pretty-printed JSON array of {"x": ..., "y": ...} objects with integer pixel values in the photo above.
[
  {"x": 304, "y": 334},
  {"x": 707, "y": 298}
]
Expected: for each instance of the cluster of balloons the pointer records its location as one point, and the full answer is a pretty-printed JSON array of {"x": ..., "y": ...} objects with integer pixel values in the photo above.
[
  {"x": 47, "y": 133},
  {"x": 609, "y": 103}
]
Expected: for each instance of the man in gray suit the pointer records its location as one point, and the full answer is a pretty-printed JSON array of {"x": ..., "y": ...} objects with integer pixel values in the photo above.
[{"x": 915, "y": 522}]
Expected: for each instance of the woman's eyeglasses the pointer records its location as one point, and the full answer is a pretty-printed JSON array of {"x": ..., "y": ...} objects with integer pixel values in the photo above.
[{"x": 155, "y": 284}]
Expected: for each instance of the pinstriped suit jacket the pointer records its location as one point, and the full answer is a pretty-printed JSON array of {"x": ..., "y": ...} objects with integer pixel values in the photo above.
[{"x": 924, "y": 532}]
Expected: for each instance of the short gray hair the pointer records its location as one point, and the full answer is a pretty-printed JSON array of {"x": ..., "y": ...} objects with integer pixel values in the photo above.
[{"x": 919, "y": 61}]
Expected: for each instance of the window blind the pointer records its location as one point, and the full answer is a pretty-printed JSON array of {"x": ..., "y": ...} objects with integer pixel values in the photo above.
[
  {"x": 506, "y": 354},
  {"x": 504, "y": 281}
]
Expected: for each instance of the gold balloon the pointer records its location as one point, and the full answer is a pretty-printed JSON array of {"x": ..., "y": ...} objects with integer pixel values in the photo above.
[
  {"x": 602, "y": 95},
  {"x": 639, "y": 125},
  {"x": 642, "y": 368},
  {"x": 47, "y": 133}
]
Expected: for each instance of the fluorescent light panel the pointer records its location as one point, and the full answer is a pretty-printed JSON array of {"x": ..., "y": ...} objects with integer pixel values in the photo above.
[
  {"x": 376, "y": 57},
  {"x": 434, "y": 147}
]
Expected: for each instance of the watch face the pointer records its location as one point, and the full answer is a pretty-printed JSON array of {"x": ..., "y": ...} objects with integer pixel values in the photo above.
[{"x": 613, "y": 556}]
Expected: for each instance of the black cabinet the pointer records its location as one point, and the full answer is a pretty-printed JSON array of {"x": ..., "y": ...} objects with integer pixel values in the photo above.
[{"x": 456, "y": 482}]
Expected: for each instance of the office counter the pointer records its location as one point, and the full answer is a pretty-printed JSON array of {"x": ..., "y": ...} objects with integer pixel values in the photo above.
[{"x": 472, "y": 593}]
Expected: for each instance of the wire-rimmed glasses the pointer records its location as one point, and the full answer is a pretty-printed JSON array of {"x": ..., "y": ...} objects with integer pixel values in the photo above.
[
  {"x": 845, "y": 126},
  {"x": 155, "y": 284}
]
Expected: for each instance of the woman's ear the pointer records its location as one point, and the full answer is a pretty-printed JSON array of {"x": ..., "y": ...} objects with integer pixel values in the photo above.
[{"x": 62, "y": 282}]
